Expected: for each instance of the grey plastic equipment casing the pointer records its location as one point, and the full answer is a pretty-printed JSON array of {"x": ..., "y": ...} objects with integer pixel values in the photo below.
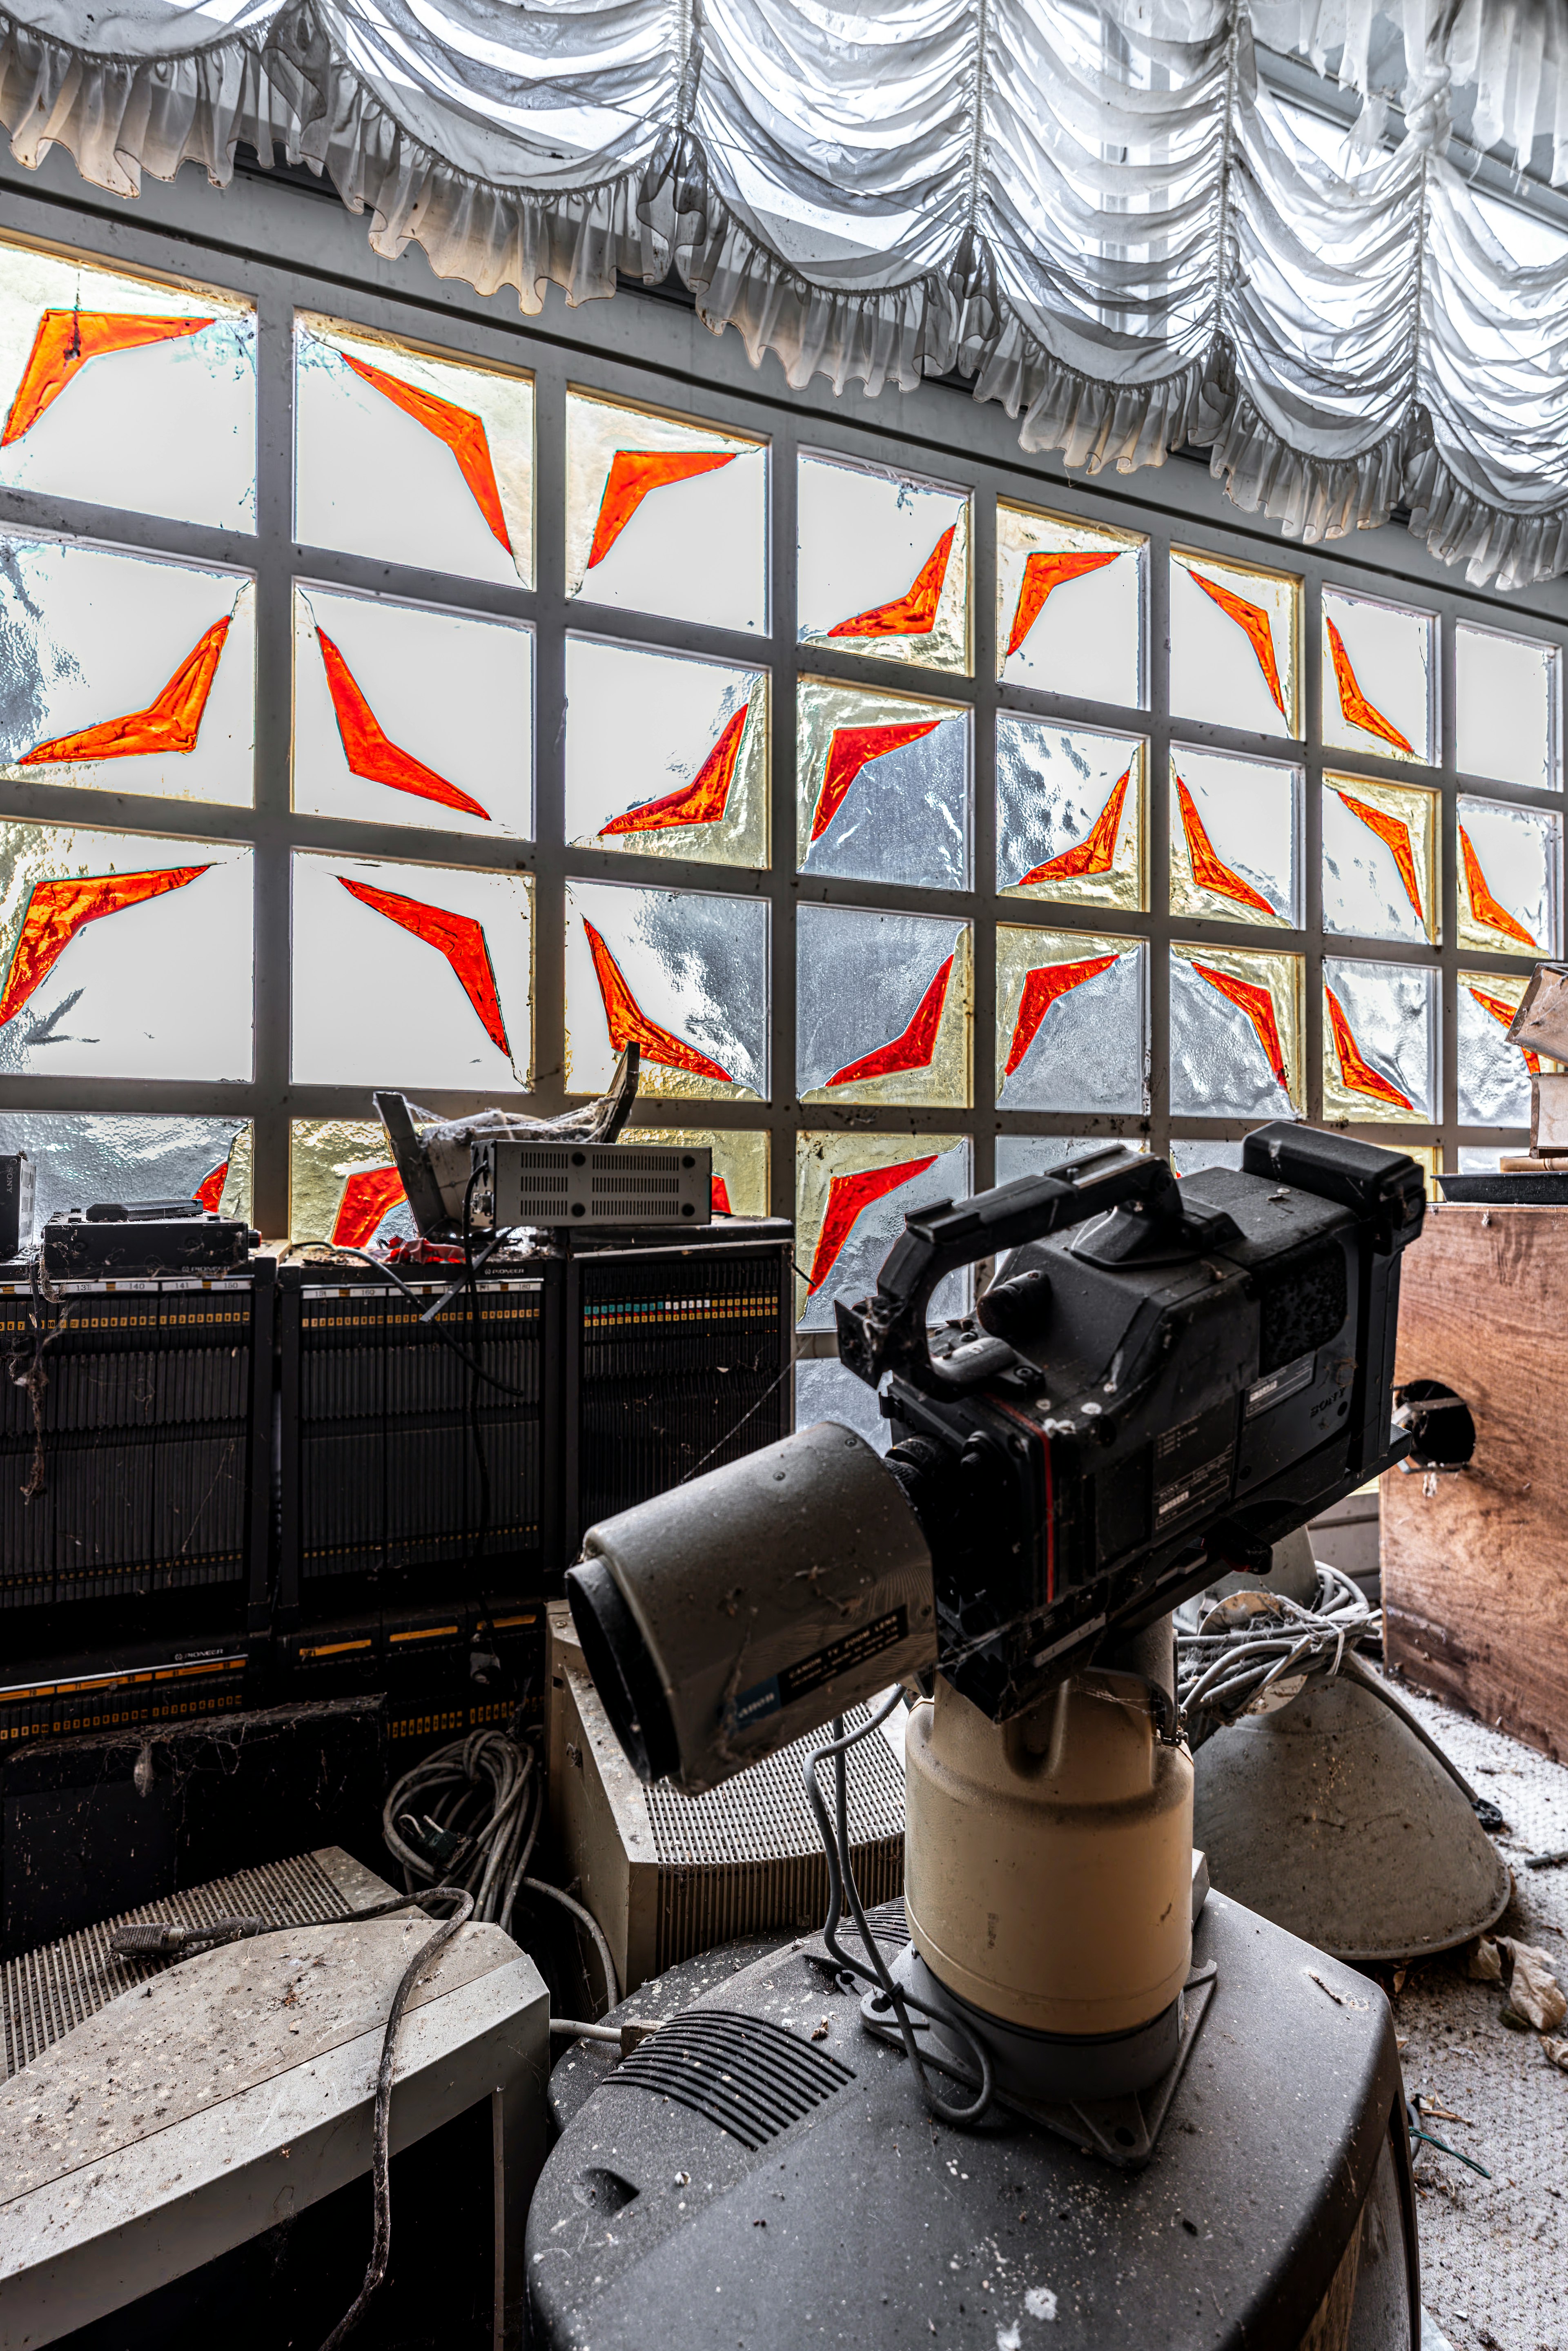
[{"x": 772, "y": 1594}]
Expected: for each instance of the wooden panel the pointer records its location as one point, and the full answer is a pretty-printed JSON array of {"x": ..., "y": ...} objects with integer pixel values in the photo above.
[{"x": 1475, "y": 1574}]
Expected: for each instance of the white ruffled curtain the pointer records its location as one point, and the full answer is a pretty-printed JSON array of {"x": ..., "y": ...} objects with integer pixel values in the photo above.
[{"x": 1097, "y": 208}]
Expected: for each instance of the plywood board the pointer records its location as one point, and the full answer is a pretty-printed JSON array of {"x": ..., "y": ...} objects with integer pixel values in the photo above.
[{"x": 1475, "y": 1571}]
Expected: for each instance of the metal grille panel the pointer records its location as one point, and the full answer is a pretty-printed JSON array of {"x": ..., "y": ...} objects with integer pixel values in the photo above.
[{"x": 743, "y": 2073}]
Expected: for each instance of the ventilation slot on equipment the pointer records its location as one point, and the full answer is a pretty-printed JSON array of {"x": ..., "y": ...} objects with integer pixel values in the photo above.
[{"x": 747, "y": 2075}]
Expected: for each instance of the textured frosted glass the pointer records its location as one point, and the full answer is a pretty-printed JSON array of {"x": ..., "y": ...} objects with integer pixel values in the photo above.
[
  {"x": 1494, "y": 1076},
  {"x": 852, "y": 1193},
  {"x": 1509, "y": 692},
  {"x": 1187, "y": 1154},
  {"x": 666, "y": 756},
  {"x": 664, "y": 514},
  {"x": 125, "y": 956},
  {"x": 126, "y": 392},
  {"x": 1070, "y": 607},
  {"x": 1071, "y": 1022},
  {"x": 884, "y": 564},
  {"x": 825, "y": 1390},
  {"x": 1235, "y": 838},
  {"x": 1037, "y": 1154},
  {"x": 1236, "y": 1034},
  {"x": 682, "y": 972},
  {"x": 1234, "y": 636},
  {"x": 1508, "y": 863},
  {"x": 1380, "y": 859},
  {"x": 1474, "y": 1161},
  {"x": 423, "y": 461},
  {"x": 883, "y": 1008},
  {"x": 1069, "y": 814},
  {"x": 1380, "y": 679},
  {"x": 342, "y": 1184},
  {"x": 81, "y": 1158},
  {"x": 410, "y": 974},
  {"x": 406, "y": 716},
  {"x": 123, "y": 673},
  {"x": 739, "y": 1163},
  {"x": 1380, "y": 1040},
  {"x": 882, "y": 787}
]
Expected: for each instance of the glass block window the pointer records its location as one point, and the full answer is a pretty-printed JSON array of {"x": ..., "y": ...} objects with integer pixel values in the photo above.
[{"x": 477, "y": 703}]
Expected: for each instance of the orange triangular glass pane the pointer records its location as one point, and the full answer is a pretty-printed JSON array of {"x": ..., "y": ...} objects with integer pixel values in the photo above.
[
  {"x": 914, "y": 613},
  {"x": 210, "y": 1190},
  {"x": 720, "y": 1191},
  {"x": 702, "y": 801},
  {"x": 463, "y": 431},
  {"x": 632, "y": 473},
  {"x": 67, "y": 339},
  {"x": 172, "y": 722},
  {"x": 368, "y": 750},
  {"x": 1484, "y": 907},
  {"x": 1041, "y": 575},
  {"x": 1094, "y": 855},
  {"x": 1209, "y": 871},
  {"x": 1394, "y": 833},
  {"x": 630, "y": 1025},
  {"x": 56, "y": 911},
  {"x": 1501, "y": 1010},
  {"x": 369, "y": 1195},
  {"x": 1353, "y": 704},
  {"x": 1259, "y": 1006},
  {"x": 1041, "y": 989},
  {"x": 458, "y": 937},
  {"x": 913, "y": 1048},
  {"x": 848, "y": 752},
  {"x": 1255, "y": 621},
  {"x": 1356, "y": 1073},
  {"x": 848, "y": 1196}
]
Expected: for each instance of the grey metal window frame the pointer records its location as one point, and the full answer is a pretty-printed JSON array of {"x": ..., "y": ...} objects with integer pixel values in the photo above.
[{"x": 283, "y": 247}]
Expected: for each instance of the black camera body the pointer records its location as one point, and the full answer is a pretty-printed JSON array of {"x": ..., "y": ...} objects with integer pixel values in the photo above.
[{"x": 1168, "y": 1379}]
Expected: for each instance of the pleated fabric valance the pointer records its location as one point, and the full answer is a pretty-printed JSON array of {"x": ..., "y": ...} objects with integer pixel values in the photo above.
[{"x": 1100, "y": 210}]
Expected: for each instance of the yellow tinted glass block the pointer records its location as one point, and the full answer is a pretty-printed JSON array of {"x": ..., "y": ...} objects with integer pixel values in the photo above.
[
  {"x": 739, "y": 1163},
  {"x": 852, "y": 1193},
  {"x": 1071, "y": 599},
  {"x": 1071, "y": 1021},
  {"x": 667, "y": 755},
  {"x": 1509, "y": 860},
  {"x": 882, "y": 785},
  {"x": 343, "y": 1185},
  {"x": 1235, "y": 645},
  {"x": 666, "y": 514},
  {"x": 1380, "y": 1040},
  {"x": 1380, "y": 859},
  {"x": 883, "y": 564}
]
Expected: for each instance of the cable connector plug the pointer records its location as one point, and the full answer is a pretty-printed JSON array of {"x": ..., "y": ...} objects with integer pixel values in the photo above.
[{"x": 169, "y": 1939}]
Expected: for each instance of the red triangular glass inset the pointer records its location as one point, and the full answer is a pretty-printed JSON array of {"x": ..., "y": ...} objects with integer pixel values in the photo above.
[
  {"x": 633, "y": 473},
  {"x": 1254, "y": 620},
  {"x": 1257, "y": 1004},
  {"x": 702, "y": 801},
  {"x": 1501, "y": 1009},
  {"x": 913, "y": 1048},
  {"x": 1042, "y": 987},
  {"x": 847, "y": 1198},
  {"x": 56, "y": 911},
  {"x": 1210, "y": 870},
  {"x": 1394, "y": 835},
  {"x": 210, "y": 1190},
  {"x": 913, "y": 614},
  {"x": 848, "y": 750},
  {"x": 463, "y": 431},
  {"x": 721, "y": 1206},
  {"x": 1041, "y": 575},
  {"x": 1484, "y": 907},
  {"x": 64, "y": 343},
  {"x": 630, "y": 1025},
  {"x": 458, "y": 937},
  {"x": 1096, "y": 853},
  {"x": 169, "y": 724},
  {"x": 1353, "y": 704},
  {"x": 1356, "y": 1073},
  {"x": 369, "y": 1195},
  {"x": 370, "y": 755}
]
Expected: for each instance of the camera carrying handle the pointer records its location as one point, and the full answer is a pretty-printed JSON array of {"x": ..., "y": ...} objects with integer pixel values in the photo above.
[{"x": 887, "y": 1333}]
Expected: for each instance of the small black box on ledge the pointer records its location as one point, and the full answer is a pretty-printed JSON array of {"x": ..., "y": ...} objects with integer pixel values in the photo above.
[
  {"x": 16, "y": 1173},
  {"x": 148, "y": 1239}
]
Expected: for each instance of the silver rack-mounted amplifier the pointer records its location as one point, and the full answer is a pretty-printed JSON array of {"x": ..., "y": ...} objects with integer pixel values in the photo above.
[{"x": 593, "y": 1184}]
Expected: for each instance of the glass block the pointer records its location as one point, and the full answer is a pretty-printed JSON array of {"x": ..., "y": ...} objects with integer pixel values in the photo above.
[
  {"x": 825, "y": 1390},
  {"x": 1235, "y": 838},
  {"x": 882, "y": 785},
  {"x": 1380, "y": 677},
  {"x": 1189, "y": 1152},
  {"x": 1037, "y": 1154},
  {"x": 417, "y": 459},
  {"x": 126, "y": 392},
  {"x": 1236, "y": 1034},
  {"x": 1494, "y": 1076},
  {"x": 82, "y": 1157},
  {"x": 665, "y": 515},
  {"x": 125, "y": 956},
  {"x": 852, "y": 1193},
  {"x": 343, "y": 1187},
  {"x": 1071, "y": 1022},
  {"x": 884, "y": 564},
  {"x": 1069, "y": 606},
  {"x": 667, "y": 755},
  {"x": 1235, "y": 631},
  {"x": 1474, "y": 1161},
  {"x": 883, "y": 1008},
  {"x": 1380, "y": 1040},
  {"x": 1509, "y": 692},
  {"x": 124, "y": 673},
  {"x": 1069, "y": 814},
  {"x": 1508, "y": 863},
  {"x": 682, "y": 974},
  {"x": 739, "y": 1163},
  {"x": 410, "y": 974},
  {"x": 1380, "y": 859},
  {"x": 403, "y": 715}
]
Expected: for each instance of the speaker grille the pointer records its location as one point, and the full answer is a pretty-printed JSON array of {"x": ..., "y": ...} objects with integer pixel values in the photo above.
[{"x": 743, "y": 2073}]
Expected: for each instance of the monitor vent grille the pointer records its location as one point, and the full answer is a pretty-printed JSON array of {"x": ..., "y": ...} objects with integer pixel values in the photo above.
[{"x": 743, "y": 2073}]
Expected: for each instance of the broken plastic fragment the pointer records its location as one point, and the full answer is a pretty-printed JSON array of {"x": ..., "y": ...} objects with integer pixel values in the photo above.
[
  {"x": 1483, "y": 905},
  {"x": 848, "y": 750},
  {"x": 632, "y": 473},
  {"x": 1394, "y": 833},
  {"x": 369, "y": 751},
  {"x": 64, "y": 343},
  {"x": 459, "y": 938},
  {"x": 169, "y": 723},
  {"x": 913, "y": 614},
  {"x": 370, "y": 1194},
  {"x": 630, "y": 1025},
  {"x": 210, "y": 1190},
  {"x": 1210, "y": 870},
  {"x": 913, "y": 1048},
  {"x": 1355, "y": 1071},
  {"x": 1501, "y": 1009},
  {"x": 1042, "y": 987},
  {"x": 460, "y": 428},
  {"x": 1259, "y": 1006},
  {"x": 56, "y": 911},
  {"x": 702, "y": 801},
  {"x": 1094, "y": 855},
  {"x": 1042, "y": 574},
  {"x": 1353, "y": 704},
  {"x": 1256, "y": 622},
  {"x": 847, "y": 1198}
]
